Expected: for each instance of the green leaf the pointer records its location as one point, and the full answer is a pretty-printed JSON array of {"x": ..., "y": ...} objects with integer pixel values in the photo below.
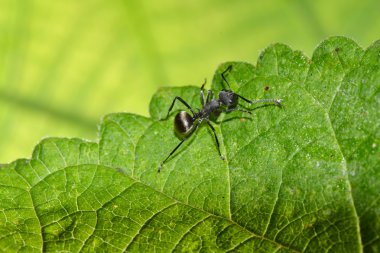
[
  {"x": 344, "y": 80},
  {"x": 302, "y": 178}
]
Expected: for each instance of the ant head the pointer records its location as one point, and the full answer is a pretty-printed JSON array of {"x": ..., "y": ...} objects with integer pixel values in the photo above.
[
  {"x": 183, "y": 123},
  {"x": 228, "y": 98}
]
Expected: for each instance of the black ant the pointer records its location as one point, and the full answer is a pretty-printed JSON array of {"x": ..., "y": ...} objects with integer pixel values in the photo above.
[{"x": 185, "y": 124}]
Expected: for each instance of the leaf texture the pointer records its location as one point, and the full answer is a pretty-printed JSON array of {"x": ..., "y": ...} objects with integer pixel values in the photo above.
[{"x": 303, "y": 178}]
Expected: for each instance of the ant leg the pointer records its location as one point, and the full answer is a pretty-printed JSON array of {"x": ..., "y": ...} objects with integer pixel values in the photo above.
[
  {"x": 179, "y": 144},
  {"x": 183, "y": 102},
  {"x": 209, "y": 96},
  {"x": 224, "y": 78},
  {"x": 237, "y": 109},
  {"x": 216, "y": 139},
  {"x": 202, "y": 95}
]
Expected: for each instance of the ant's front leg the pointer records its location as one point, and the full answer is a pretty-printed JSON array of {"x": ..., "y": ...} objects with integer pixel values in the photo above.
[
  {"x": 179, "y": 144},
  {"x": 183, "y": 102}
]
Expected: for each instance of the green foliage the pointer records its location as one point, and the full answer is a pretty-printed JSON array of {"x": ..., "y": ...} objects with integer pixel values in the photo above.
[
  {"x": 304, "y": 178},
  {"x": 64, "y": 64}
]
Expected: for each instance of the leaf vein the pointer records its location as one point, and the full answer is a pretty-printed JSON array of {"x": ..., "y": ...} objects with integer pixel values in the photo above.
[
  {"x": 190, "y": 229},
  {"x": 146, "y": 222}
]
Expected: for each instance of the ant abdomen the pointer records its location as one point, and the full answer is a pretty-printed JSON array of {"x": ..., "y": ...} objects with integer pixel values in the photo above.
[{"x": 183, "y": 123}]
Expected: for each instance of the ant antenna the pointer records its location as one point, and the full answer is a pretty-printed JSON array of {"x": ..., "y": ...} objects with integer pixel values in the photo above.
[{"x": 276, "y": 102}]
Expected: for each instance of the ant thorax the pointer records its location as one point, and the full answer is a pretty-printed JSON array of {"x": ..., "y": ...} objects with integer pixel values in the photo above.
[{"x": 210, "y": 107}]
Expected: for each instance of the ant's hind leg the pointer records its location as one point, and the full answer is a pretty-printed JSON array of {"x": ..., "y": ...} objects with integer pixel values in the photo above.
[
  {"x": 216, "y": 139},
  {"x": 179, "y": 144},
  {"x": 159, "y": 167}
]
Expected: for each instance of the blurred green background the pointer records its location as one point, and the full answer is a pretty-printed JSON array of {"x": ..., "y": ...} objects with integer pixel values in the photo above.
[{"x": 64, "y": 64}]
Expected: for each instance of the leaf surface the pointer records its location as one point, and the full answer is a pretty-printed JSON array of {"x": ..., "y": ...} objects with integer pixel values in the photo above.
[{"x": 302, "y": 178}]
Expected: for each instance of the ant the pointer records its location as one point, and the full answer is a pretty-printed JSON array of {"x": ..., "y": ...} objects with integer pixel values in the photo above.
[{"x": 185, "y": 124}]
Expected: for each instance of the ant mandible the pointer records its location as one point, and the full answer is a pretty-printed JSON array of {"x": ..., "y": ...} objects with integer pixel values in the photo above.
[{"x": 185, "y": 124}]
